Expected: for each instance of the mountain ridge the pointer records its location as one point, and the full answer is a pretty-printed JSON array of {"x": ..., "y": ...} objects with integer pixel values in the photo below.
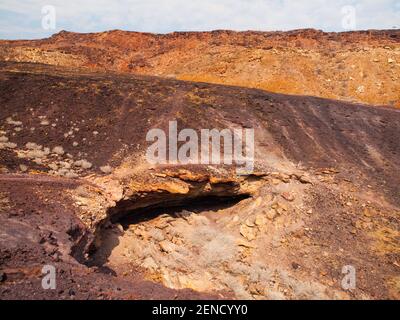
[{"x": 360, "y": 66}]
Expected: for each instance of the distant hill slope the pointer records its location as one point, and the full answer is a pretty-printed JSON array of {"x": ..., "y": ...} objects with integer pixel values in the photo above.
[{"x": 355, "y": 66}]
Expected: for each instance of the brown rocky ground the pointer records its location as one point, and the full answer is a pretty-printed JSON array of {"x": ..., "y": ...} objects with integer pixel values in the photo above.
[
  {"x": 39, "y": 226},
  {"x": 77, "y": 192},
  {"x": 359, "y": 66}
]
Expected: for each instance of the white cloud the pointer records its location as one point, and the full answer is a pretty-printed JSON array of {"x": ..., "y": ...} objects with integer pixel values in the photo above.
[{"x": 195, "y": 15}]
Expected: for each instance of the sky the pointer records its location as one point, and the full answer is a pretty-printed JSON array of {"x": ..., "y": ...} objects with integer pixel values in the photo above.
[{"x": 30, "y": 19}]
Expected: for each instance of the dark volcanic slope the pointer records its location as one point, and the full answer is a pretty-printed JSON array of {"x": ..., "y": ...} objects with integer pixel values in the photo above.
[
  {"x": 59, "y": 127},
  {"x": 120, "y": 109}
]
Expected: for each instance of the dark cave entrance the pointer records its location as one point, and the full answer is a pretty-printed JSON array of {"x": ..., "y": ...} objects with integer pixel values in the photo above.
[{"x": 175, "y": 208}]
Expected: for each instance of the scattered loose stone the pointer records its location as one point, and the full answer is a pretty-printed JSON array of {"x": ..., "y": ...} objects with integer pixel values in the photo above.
[
  {"x": 65, "y": 164},
  {"x": 243, "y": 243},
  {"x": 268, "y": 198},
  {"x": 295, "y": 265},
  {"x": 62, "y": 172},
  {"x": 271, "y": 214},
  {"x": 84, "y": 164},
  {"x": 161, "y": 175},
  {"x": 275, "y": 181},
  {"x": 256, "y": 289},
  {"x": 10, "y": 121},
  {"x": 282, "y": 206},
  {"x": 35, "y": 154},
  {"x": 157, "y": 235},
  {"x": 260, "y": 220},
  {"x": 361, "y": 89},
  {"x": 106, "y": 169},
  {"x": 281, "y": 176},
  {"x": 305, "y": 179},
  {"x": 23, "y": 167},
  {"x": 247, "y": 232},
  {"x": 288, "y": 196},
  {"x": 53, "y": 166},
  {"x": 141, "y": 233},
  {"x": 9, "y": 145},
  {"x": 58, "y": 150},
  {"x": 149, "y": 263},
  {"x": 250, "y": 222},
  {"x": 33, "y": 146},
  {"x": 71, "y": 175},
  {"x": 166, "y": 246}
]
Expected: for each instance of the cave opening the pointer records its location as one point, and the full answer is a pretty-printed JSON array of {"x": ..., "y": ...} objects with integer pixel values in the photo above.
[
  {"x": 177, "y": 210},
  {"x": 98, "y": 255}
]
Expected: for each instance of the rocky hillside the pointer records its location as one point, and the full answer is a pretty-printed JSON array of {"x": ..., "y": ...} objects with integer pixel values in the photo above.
[
  {"x": 355, "y": 66},
  {"x": 76, "y": 190}
]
